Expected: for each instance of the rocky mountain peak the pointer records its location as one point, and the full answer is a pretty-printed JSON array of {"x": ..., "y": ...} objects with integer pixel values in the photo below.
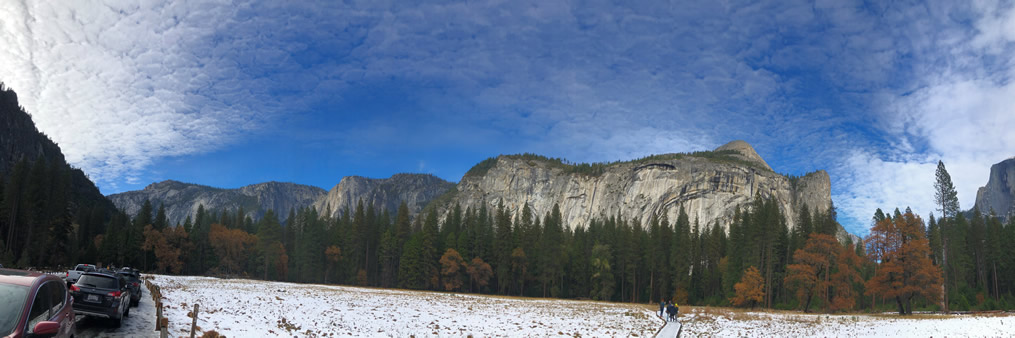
[
  {"x": 999, "y": 193},
  {"x": 746, "y": 151}
]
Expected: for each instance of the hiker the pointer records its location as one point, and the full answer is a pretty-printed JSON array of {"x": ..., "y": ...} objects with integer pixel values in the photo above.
[
  {"x": 676, "y": 310},
  {"x": 662, "y": 306}
]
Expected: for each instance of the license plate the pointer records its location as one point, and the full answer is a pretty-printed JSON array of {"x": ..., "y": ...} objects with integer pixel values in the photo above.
[{"x": 92, "y": 298}]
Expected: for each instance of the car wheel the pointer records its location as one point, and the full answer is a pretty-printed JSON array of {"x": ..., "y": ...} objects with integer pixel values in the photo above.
[
  {"x": 127, "y": 313},
  {"x": 118, "y": 322}
]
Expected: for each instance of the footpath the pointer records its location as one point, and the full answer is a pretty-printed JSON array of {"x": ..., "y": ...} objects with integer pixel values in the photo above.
[{"x": 670, "y": 329}]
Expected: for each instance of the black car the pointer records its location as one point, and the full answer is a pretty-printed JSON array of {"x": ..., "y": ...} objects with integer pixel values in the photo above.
[
  {"x": 102, "y": 295},
  {"x": 134, "y": 283}
]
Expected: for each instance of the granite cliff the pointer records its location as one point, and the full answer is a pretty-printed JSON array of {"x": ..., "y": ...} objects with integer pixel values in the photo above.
[
  {"x": 416, "y": 190},
  {"x": 183, "y": 199},
  {"x": 999, "y": 193},
  {"x": 709, "y": 185}
]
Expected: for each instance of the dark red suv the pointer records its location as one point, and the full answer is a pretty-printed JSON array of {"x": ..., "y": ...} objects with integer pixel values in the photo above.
[{"x": 34, "y": 305}]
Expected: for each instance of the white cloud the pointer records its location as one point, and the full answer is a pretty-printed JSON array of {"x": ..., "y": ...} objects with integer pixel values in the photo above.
[
  {"x": 962, "y": 111},
  {"x": 115, "y": 86}
]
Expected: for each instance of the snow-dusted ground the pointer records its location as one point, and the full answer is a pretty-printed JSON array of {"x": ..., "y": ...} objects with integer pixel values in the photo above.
[
  {"x": 248, "y": 308},
  {"x": 734, "y": 323},
  {"x": 236, "y": 307}
]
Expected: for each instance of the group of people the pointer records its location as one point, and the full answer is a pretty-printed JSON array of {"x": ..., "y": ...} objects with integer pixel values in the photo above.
[{"x": 671, "y": 309}]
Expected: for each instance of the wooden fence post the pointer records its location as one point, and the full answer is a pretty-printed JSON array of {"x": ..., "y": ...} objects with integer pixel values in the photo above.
[{"x": 193, "y": 324}]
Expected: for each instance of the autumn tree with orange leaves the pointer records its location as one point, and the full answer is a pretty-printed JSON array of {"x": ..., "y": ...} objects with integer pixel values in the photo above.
[
  {"x": 811, "y": 273},
  {"x": 847, "y": 274},
  {"x": 479, "y": 273},
  {"x": 452, "y": 268},
  {"x": 750, "y": 290},
  {"x": 232, "y": 247},
  {"x": 902, "y": 253}
]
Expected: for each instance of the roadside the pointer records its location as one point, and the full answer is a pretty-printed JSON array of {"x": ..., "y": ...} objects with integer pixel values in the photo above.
[{"x": 141, "y": 322}]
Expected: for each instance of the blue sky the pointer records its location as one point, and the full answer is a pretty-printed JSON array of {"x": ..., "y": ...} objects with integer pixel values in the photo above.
[{"x": 234, "y": 93}]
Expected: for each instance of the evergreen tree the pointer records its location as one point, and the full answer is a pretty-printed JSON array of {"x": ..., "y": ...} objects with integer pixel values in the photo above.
[{"x": 602, "y": 276}]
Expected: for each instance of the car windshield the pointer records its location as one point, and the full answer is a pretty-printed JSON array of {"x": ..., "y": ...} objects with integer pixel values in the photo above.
[
  {"x": 128, "y": 276},
  {"x": 12, "y": 300},
  {"x": 96, "y": 281},
  {"x": 82, "y": 268}
]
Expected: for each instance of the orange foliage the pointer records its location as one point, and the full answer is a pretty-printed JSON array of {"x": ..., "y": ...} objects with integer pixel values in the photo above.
[
  {"x": 479, "y": 272},
  {"x": 231, "y": 246},
  {"x": 750, "y": 290},
  {"x": 168, "y": 246},
  {"x": 811, "y": 273},
  {"x": 452, "y": 266},
  {"x": 905, "y": 270},
  {"x": 847, "y": 274}
]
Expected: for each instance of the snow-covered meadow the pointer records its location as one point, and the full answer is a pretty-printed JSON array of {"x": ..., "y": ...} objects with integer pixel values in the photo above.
[
  {"x": 249, "y": 308},
  {"x": 707, "y": 322},
  {"x": 237, "y": 307}
]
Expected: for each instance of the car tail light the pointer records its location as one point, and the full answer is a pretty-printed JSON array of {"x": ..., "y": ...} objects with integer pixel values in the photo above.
[
  {"x": 74, "y": 288},
  {"x": 115, "y": 294},
  {"x": 135, "y": 283}
]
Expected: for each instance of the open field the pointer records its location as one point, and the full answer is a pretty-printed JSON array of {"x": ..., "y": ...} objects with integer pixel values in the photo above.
[
  {"x": 236, "y": 307},
  {"x": 704, "y": 321}
]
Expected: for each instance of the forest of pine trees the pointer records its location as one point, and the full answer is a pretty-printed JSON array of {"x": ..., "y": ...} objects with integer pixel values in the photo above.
[{"x": 758, "y": 262}]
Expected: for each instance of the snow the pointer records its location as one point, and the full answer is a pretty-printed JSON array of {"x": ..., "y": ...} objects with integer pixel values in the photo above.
[
  {"x": 140, "y": 323},
  {"x": 242, "y": 308},
  {"x": 734, "y": 323},
  {"x": 237, "y": 307}
]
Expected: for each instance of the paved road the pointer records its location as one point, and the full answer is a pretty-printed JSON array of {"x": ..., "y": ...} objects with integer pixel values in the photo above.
[{"x": 141, "y": 322}]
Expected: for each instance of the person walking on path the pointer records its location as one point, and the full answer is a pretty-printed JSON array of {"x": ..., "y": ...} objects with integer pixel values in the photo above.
[{"x": 662, "y": 306}]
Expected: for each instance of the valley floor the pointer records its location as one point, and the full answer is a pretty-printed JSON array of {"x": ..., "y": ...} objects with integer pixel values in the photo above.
[
  {"x": 237, "y": 307},
  {"x": 740, "y": 323},
  {"x": 241, "y": 308}
]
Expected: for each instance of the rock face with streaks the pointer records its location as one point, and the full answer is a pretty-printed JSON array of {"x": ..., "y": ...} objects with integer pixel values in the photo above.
[
  {"x": 183, "y": 199},
  {"x": 416, "y": 190},
  {"x": 999, "y": 193},
  {"x": 709, "y": 185}
]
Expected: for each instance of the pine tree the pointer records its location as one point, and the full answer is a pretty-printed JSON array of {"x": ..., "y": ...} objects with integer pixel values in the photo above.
[
  {"x": 502, "y": 246},
  {"x": 602, "y": 276},
  {"x": 947, "y": 199},
  {"x": 429, "y": 256}
]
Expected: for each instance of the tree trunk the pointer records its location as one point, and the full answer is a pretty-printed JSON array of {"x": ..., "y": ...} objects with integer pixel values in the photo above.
[
  {"x": 944, "y": 270},
  {"x": 996, "y": 294},
  {"x": 807, "y": 306},
  {"x": 902, "y": 309}
]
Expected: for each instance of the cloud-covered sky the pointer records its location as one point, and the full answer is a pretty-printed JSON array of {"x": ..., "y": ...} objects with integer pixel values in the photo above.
[{"x": 232, "y": 93}]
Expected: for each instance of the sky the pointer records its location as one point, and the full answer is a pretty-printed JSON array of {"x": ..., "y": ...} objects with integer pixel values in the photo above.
[{"x": 230, "y": 93}]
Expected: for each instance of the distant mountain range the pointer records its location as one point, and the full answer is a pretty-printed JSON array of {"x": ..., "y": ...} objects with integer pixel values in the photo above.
[
  {"x": 183, "y": 199},
  {"x": 710, "y": 186}
]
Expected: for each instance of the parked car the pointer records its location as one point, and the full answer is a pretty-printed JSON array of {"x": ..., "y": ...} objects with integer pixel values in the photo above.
[
  {"x": 33, "y": 304},
  {"x": 102, "y": 295},
  {"x": 134, "y": 283},
  {"x": 72, "y": 275}
]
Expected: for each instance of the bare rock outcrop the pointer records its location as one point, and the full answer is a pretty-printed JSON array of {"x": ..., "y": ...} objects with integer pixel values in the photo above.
[
  {"x": 416, "y": 190},
  {"x": 999, "y": 193},
  {"x": 709, "y": 185}
]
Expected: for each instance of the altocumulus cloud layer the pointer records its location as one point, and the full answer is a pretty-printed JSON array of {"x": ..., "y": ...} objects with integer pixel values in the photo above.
[{"x": 876, "y": 94}]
